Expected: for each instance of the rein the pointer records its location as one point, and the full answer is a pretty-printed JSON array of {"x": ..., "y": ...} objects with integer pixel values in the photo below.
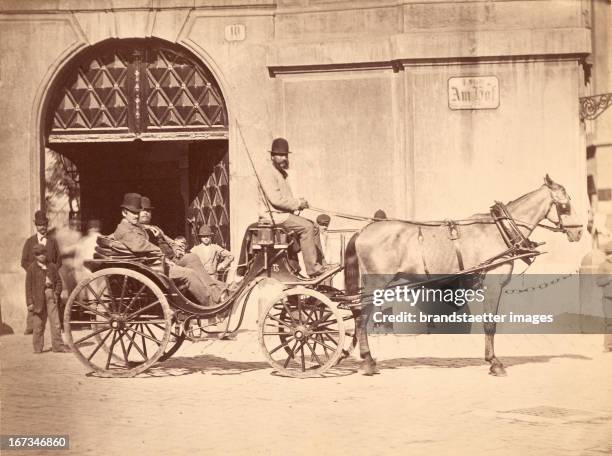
[{"x": 434, "y": 223}]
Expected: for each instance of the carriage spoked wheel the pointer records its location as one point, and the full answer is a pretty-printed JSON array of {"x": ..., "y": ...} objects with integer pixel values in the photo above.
[
  {"x": 177, "y": 337},
  {"x": 125, "y": 324},
  {"x": 301, "y": 333},
  {"x": 350, "y": 341}
]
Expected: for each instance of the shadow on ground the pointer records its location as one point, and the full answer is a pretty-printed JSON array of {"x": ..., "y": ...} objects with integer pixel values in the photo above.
[
  {"x": 453, "y": 363},
  {"x": 215, "y": 365},
  {"x": 204, "y": 364}
]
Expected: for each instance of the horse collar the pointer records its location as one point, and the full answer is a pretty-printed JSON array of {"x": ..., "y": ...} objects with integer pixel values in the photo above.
[{"x": 511, "y": 234}]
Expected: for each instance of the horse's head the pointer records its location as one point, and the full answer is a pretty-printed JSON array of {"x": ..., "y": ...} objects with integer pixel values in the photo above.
[{"x": 561, "y": 213}]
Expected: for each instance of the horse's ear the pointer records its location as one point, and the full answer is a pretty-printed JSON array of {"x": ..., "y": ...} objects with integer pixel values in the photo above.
[{"x": 548, "y": 181}]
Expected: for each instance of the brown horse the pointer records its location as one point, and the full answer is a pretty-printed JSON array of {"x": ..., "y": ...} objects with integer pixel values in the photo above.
[{"x": 402, "y": 247}]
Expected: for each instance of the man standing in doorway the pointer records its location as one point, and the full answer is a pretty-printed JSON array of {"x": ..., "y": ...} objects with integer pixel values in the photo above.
[
  {"x": 27, "y": 255},
  {"x": 281, "y": 205}
]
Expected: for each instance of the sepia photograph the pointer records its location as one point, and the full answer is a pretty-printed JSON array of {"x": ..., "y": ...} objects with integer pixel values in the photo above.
[{"x": 306, "y": 227}]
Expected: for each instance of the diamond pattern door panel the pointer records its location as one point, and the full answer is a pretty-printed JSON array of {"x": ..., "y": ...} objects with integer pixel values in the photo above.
[
  {"x": 180, "y": 94},
  {"x": 96, "y": 98},
  {"x": 211, "y": 205},
  {"x": 137, "y": 89}
]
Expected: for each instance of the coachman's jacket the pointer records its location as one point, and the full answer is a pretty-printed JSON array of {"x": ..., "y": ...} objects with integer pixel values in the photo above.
[
  {"x": 278, "y": 193},
  {"x": 27, "y": 255},
  {"x": 36, "y": 282}
]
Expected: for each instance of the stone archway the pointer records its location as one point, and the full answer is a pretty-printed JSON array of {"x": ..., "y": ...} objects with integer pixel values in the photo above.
[{"x": 151, "y": 99}]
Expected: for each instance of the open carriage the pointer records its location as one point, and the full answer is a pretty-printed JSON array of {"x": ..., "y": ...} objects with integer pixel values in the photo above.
[{"x": 128, "y": 314}]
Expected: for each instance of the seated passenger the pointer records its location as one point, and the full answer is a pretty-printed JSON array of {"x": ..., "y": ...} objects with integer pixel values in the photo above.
[
  {"x": 172, "y": 250},
  {"x": 136, "y": 239}
]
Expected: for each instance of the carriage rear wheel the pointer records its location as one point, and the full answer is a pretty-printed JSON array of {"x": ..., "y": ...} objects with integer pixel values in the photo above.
[
  {"x": 177, "y": 337},
  {"x": 301, "y": 333},
  {"x": 125, "y": 324}
]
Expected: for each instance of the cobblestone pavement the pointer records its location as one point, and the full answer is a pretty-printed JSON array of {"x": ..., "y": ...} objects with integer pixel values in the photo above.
[{"x": 433, "y": 397}]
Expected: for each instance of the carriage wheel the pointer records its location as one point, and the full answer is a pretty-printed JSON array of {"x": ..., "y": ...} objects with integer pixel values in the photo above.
[
  {"x": 125, "y": 325},
  {"x": 350, "y": 341},
  {"x": 301, "y": 333},
  {"x": 177, "y": 337}
]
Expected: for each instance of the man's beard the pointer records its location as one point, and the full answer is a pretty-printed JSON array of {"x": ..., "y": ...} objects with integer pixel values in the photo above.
[{"x": 283, "y": 166}]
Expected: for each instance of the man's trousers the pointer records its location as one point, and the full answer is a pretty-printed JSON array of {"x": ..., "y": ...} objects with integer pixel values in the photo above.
[{"x": 39, "y": 320}]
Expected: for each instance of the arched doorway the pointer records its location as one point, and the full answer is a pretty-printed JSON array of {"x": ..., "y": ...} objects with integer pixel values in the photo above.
[{"x": 138, "y": 115}]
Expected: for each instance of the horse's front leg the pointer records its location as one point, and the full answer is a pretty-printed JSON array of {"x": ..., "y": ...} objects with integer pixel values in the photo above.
[
  {"x": 494, "y": 286},
  {"x": 361, "y": 321}
]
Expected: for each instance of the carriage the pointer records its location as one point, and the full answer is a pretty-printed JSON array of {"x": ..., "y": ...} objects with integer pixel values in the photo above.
[{"x": 128, "y": 314}]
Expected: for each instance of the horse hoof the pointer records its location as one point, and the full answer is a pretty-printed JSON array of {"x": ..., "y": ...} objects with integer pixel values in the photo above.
[
  {"x": 497, "y": 370},
  {"x": 370, "y": 369}
]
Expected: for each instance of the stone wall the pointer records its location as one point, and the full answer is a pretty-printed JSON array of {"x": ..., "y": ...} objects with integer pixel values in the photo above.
[{"x": 359, "y": 88}]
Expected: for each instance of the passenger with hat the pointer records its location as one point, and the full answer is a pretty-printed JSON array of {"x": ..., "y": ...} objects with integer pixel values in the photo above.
[
  {"x": 604, "y": 280},
  {"x": 135, "y": 237},
  {"x": 156, "y": 234},
  {"x": 43, "y": 288},
  {"x": 279, "y": 205},
  {"x": 214, "y": 257},
  {"x": 27, "y": 255},
  {"x": 175, "y": 250}
]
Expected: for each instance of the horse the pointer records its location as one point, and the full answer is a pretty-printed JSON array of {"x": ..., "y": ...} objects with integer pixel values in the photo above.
[{"x": 394, "y": 247}]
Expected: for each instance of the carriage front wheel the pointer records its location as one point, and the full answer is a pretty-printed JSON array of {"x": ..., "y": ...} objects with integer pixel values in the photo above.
[
  {"x": 118, "y": 322},
  {"x": 301, "y": 333}
]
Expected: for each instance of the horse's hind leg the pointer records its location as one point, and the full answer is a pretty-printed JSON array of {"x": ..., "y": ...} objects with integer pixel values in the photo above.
[
  {"x": 361, "y": 320},
  {"x": 491, "y": 305}
]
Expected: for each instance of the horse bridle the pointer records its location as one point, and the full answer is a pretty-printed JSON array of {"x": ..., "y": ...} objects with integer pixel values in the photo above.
[{"x": 563, "y": 208}]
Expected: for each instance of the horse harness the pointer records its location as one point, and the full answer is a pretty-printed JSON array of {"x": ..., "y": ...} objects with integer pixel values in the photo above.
[
  {"x": 453, "y": 235},
  {"x": 516, "y": 241}
]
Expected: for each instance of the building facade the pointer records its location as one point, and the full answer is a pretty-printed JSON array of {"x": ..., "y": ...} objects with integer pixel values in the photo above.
[{"x": 428, "y": 110}]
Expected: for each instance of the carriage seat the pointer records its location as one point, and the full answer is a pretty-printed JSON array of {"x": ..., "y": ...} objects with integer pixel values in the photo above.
[
  {"x": 259, "y": 236},
  {"x": 265, "y": 235},
  {"x": 108, "y": 248}
]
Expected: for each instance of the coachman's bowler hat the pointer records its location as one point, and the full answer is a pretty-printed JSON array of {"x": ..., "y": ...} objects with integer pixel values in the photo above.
[
  {"x": 40, "y": 218},
  {"x": 205, "y": 231},
  {"x": 280, "y": 146},
  {"x": 145, "y": 202},
  {"x": 132, "y": 202}
]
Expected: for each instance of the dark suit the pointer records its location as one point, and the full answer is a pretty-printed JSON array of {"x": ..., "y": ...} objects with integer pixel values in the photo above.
[
  {"x": 27, "y": 258},
  {"x": 43, "y": 287},
  {"x": 27, "y": 255}
]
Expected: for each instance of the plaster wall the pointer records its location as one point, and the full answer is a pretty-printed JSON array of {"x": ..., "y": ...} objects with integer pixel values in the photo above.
[{"x": 359, "y": 89}]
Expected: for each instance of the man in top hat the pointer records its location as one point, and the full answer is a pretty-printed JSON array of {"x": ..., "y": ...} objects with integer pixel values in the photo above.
[
  {"x": 282, "y": 205},
  {"x": 135, "y": 237},
  {"x": 214, "y": 257},
  {"x": 604, "y": 280},
  {"x": 27, "y": 255}
]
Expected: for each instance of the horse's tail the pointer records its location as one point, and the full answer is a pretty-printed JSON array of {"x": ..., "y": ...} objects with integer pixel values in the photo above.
[{"x": 351, "y": 267}]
